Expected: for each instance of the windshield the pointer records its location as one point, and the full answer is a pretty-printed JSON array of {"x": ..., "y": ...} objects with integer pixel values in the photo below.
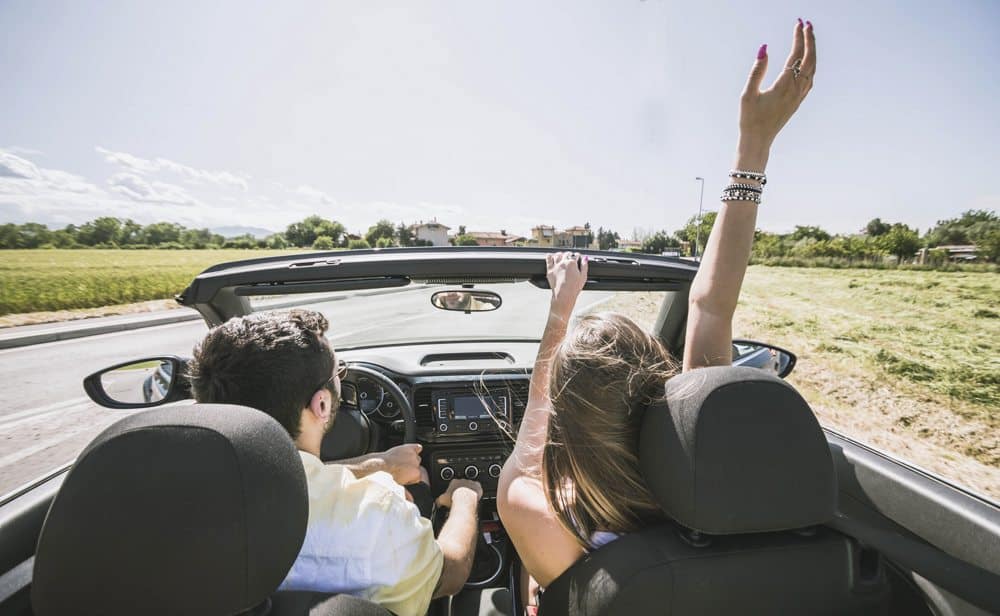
[{"x": 406, "y": 315}]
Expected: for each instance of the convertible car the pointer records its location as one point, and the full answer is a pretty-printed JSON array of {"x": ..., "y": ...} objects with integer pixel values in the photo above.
[{"x": 178, "y": 509}]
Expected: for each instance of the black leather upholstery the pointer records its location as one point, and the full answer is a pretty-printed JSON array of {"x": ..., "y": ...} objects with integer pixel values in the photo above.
[
  {"x": 733, "y": 452},
  {"x": 186, "y": 510},
  {"x": 737, "y": 450}
]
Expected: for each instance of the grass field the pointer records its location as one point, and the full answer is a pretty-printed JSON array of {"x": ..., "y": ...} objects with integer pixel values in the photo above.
[
  {"x": 908, "y": 361},
  {"x": 48, "y": 280}
]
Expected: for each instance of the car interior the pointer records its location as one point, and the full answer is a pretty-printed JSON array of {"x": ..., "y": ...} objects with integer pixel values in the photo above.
[{"x": 177, "y": 510}]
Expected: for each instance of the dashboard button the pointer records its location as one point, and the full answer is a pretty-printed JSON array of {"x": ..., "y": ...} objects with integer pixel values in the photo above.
[
  {"x": 495, "y": 470},
  {"x": 471, "y": 472},
  {"x": 443, "y": 427},
  {"x": 447, "y": 473},
  {"x": 473, "y": 426}
]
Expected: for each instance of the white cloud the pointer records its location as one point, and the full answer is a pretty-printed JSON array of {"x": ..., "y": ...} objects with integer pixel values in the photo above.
[
  {"x": 150, "y": 166},
  {"x": 311, "y": 192},
  {"x": 138, "y": 189},
  {"x": 13, "y": 166}
]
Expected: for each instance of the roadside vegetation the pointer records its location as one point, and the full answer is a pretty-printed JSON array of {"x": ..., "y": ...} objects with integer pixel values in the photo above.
[
  {"x": 908, "y": 361},
  {"x": 48, "y": 280}
]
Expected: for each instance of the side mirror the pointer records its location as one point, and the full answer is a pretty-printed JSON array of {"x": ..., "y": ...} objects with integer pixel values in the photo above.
[
  {"x": 765, "y": 356},
  {"x": 138, "y": 384},
  {"x": 466, "y": 301}
]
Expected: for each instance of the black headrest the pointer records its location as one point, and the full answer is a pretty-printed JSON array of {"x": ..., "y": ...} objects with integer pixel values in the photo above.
[
  {"x": 196, "y": 509},
  {"x": 737, "y": 450}
]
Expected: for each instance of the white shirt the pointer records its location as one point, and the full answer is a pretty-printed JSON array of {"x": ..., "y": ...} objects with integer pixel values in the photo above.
[{"x": 365, "y": 539}]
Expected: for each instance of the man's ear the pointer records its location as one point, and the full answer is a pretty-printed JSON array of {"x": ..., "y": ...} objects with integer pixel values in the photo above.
[{"x": 319, "y": 405}]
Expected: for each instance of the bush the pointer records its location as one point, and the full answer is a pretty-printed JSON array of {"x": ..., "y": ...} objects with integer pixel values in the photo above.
[
  {"x": 358, "y": 244},
  {"x": 171, "y": 246},
  {"x": 323, "y": 242},
  {"x": 384, "y": 242}
]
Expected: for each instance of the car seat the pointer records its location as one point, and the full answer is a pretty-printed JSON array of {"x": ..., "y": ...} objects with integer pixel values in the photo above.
[
  {"x": 736, "y": 457},
  {"x": 192, "y": 510}
]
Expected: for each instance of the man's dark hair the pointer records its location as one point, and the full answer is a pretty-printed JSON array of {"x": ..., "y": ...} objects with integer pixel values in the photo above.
[{"x": 271, "y": 361}]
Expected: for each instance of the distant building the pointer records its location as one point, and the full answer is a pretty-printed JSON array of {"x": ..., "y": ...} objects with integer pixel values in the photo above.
[
  {"x": 542, "y": 236},
  {"x": 546, "y": 236},
  {"x": 433, "y": 232},
  {"x": 629, "y": 245},
  {"x": 489, "y": 238},
  {"x": 955, "y": 253}
]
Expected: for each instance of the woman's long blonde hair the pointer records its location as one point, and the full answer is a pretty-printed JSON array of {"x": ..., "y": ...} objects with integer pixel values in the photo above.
[{"x": 604, "y": 374}]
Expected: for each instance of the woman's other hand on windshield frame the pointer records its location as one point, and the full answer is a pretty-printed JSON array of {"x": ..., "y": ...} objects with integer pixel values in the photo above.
[{"x": 567, "y": 274}]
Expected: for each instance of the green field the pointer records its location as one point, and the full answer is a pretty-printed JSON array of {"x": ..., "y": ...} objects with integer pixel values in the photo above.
[
  {"x": 45, "y": 280},
  {"x": 908, "y": 361}
]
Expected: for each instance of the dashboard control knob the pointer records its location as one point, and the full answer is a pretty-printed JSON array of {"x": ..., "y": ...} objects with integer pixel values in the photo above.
[
  {"x": 447, "y": 473},
  {"x": 473, "y": 426},
  {"x": 443, "y": 427},
  {"x": 471, "y": 472},
  {"x": 495, "y": 470}
]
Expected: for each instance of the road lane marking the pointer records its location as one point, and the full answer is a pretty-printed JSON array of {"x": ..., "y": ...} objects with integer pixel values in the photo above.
[{"x": 7, "y": 420}]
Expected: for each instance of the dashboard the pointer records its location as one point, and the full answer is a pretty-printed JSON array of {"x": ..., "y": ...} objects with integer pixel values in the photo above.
[{"x": 468, "y": 399}]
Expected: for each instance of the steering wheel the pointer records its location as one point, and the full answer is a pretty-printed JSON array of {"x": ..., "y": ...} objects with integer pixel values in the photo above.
[{"x": 355, "y": 371}]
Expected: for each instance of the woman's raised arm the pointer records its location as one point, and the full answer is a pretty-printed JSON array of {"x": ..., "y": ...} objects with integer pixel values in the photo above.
[{"x": 716, "y": 287}]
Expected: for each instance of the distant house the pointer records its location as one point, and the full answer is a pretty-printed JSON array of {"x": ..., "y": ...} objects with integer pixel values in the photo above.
[
  {"x": 489, "y": 238},
  {"x": 433, "y": 232},
  {"x": 629, "y": 245},
  {"x": 956, "y": 253},
  {"x": 546, "y": 236},
  {"x": 542, "y": 236}
]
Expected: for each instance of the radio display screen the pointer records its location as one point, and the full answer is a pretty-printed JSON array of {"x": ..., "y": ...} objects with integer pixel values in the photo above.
[{"x": 473, "y": 407}]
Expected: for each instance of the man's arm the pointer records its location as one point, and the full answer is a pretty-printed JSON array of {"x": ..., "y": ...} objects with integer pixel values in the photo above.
[
  {"x": 402, "y": 462},
  {"x": 457, "y": 539}
]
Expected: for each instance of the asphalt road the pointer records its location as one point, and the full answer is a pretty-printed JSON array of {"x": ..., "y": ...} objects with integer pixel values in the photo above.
[{"x": 46, "y": 418}]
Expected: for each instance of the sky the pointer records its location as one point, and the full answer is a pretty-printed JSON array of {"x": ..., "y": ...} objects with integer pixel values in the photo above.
[{"x": 492, "y": 115}]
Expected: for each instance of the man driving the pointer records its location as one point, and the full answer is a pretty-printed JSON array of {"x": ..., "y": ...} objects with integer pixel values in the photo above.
[{"x": 364, "y": 537}]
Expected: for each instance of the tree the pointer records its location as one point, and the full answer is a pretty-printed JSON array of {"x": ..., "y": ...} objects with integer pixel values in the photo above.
[
  {"x": 103, "y": 230},
  {"x": 876, "y": 227},
  {"x": 159, "y": 233},
  {"x": 606, "y": 239},
  {"x": 404, "y": 235},
  {"x": 966, "y": 229},
  {"x": 465, "y": 240},
  {"x": 803, "y": 232},
  {"x": 695, "y": 233},
  {"x": 659, "y": 242},
  {"x": 382, "y": 228},
  {"x": 900, "y": 241},
  {"x": 305, "y": 232},
  {"x": 323, "y": 242},
  {"x": 461, "y": 230},
  {"x": 277, "y": 241},
  {"x": 358, "y": 244}
]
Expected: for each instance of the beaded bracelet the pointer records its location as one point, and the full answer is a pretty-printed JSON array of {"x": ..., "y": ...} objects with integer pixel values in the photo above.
[
  {"x": 740, "y": 195},
  {"x": 748, "y": 187},
  {"x": 748, "y": 175}
]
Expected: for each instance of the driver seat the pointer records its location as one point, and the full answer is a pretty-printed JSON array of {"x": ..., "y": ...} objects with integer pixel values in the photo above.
[
  {"x": 195, "y": 510},
  {"x": 736, "y": 457}
]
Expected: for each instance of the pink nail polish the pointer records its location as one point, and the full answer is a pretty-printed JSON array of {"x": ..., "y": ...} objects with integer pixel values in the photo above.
[
  {"x": 762, "y": 52},
  {"x": 809, "y": 24},
  {"x": 800, "y": 21}
]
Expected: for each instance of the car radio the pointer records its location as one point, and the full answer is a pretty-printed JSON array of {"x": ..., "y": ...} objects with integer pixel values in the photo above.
[
  {"x": 467, "y": 412},
  {"x": 481, "y": 466}
]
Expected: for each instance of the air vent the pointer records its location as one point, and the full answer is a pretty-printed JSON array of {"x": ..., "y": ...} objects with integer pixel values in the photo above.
[{"x": 423, "y": 407}]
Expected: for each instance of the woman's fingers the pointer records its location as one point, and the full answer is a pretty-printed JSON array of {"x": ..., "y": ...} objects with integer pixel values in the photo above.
[
  {"x": 756, "y": 73},
  {"x": 809, "y": 58},
  {"x": 795, "y": 55}
]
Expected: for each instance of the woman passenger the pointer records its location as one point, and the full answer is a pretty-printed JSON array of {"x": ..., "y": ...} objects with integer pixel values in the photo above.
[{"x": 573, "y": 481}]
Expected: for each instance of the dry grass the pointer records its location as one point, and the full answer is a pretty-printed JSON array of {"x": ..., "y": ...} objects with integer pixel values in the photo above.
[{"x": 907, "y": 361}]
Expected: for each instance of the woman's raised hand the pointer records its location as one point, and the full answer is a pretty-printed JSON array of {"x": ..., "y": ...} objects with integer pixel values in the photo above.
[
  {"x": 567, "y": 273},
  {"x": 764, "y": 113}
]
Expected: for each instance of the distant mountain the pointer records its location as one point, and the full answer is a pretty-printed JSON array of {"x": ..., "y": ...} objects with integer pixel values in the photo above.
[{"x": 228, "y": 232}]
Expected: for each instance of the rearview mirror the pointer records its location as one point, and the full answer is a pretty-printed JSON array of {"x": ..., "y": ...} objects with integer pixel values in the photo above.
[
  {"x": 765, "y": 356},
  {"x": 139, "y": 384},
  {"x": 466, "y": 301}
]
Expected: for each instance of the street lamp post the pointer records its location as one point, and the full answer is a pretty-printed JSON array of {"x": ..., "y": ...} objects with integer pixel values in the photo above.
[{"x": 697, "y": 232}]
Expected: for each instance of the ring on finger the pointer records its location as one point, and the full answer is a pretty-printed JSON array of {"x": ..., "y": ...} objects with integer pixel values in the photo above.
[{"x": 796, "y": 68}]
